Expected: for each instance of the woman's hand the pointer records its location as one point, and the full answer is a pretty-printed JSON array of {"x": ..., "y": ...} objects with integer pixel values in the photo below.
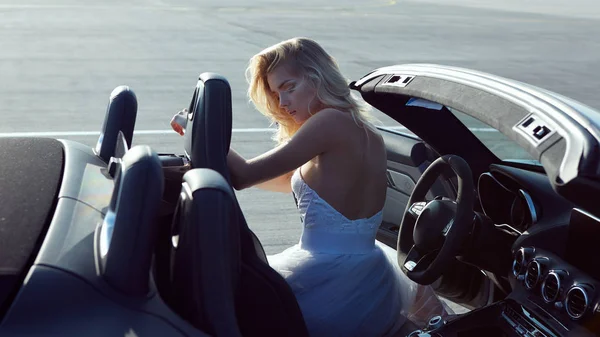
[{"x": 179, "y": 122}]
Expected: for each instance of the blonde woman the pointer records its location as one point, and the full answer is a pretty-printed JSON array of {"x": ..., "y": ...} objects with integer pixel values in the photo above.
[{"x": 334, "y": 161}]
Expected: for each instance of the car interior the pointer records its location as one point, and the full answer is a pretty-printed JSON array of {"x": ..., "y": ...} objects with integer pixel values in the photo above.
[{"x": 121, "y": 240}]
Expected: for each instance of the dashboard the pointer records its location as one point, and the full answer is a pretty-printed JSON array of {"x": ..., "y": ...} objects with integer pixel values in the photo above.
[
  {"x": 555, "y": 272},
  {"x": 512, "y": 205},
  {"x": 568, "y": 285}
]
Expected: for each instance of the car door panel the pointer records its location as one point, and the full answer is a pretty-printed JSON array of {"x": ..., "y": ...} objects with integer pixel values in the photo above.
[{"x": 407, "y": 158}]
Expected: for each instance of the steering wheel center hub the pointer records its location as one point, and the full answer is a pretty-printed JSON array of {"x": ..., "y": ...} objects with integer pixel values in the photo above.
[{"x": 433, "y": 224}]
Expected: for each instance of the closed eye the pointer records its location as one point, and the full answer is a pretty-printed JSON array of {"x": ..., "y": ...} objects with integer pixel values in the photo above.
[{"x": 289, "y": 87}]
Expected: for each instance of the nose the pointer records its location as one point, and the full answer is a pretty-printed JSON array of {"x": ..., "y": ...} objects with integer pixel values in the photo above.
[{"x": 283, "y": 101}]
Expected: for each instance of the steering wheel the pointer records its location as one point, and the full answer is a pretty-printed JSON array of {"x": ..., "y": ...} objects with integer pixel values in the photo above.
[{"x": 426, "y": 250}]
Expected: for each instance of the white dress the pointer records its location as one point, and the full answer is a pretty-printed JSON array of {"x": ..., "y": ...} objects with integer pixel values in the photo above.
[{"x": 346, "y": 283}]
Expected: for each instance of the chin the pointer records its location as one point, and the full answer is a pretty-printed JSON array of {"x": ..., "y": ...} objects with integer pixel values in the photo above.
[{"x": 299, "y": 120}]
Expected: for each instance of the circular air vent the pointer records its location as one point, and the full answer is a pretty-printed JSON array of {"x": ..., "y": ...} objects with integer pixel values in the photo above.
[
  {"x": 533, "y": 274},
  {"x": 576, "y": 302},
  {"x": 518, "y": 262},
  {"x": 551, "y": 287}
]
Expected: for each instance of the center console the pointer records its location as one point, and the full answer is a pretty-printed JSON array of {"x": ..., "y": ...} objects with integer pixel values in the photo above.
[
  {"x": 507, "y": 318},
  {"x": 553, "y": 296},
  {"x": 503, "y": 319}
]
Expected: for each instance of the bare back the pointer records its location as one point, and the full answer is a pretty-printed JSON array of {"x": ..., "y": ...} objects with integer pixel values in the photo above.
[{"x": 352, "y": 177}]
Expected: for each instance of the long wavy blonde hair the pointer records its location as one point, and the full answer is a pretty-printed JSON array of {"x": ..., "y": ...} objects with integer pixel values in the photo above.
[{"x": 306, "y": 57}]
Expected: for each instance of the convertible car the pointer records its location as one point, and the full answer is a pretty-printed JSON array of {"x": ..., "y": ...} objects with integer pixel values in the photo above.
[{"x": 490, "y": 200}]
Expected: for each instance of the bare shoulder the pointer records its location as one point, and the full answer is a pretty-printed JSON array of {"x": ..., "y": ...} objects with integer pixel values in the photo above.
[
  {"x": 333, "y": 121},
  {"x": 330, "y": 115},
  {"x": 335, "y": 128}
]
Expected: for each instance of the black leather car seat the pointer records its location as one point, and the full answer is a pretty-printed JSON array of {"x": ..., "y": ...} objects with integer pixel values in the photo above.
[
  {"x": 205, "y": 254},
  {"x": 265, "y": 304},
  {"x": 125, "y": 256}
]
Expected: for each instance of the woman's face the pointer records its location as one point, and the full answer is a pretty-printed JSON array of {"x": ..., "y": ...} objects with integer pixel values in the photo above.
[{"x": 295, "y": 94}]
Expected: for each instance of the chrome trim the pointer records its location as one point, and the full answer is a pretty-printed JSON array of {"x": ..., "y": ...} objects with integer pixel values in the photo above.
[
  {"x": 585, "y": 297},
  {"x": 522, "y": 252},
  {"x": 558, "y": 285},
  {"x": 448, "y": 227},
  {"x": 539, "y": 274},
  {"x": 530, "y": 205},
  {"x": 415, "y": 333},
  {"x": 435, "y": 322},
  {"x": 524, "y": 315},
  {"x": 539, "y": 307},
  {"x": 537, "y": 323},
  {"x": 586, "y": 213},
  {"x": 509, "y": 320},
  {"x": 507, "y": 227}
]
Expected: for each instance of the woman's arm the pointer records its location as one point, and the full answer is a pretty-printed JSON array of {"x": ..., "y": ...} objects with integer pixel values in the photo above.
[
  {"x": 319, "y": 134},
  {"x": 237, "y": 163}
]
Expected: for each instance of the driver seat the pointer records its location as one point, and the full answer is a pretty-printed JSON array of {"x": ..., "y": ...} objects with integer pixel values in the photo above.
[{"x": 264, "y": 302}]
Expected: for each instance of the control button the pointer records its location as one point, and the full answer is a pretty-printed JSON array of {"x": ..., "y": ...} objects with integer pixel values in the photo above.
[
  {"x": 435, "y": 323},
  {"x": 410, "y": 265},
  {"x": 540, "y": 132},
  {"x": 415, "y": 333},
  {"x": 417, "y": 207}
]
